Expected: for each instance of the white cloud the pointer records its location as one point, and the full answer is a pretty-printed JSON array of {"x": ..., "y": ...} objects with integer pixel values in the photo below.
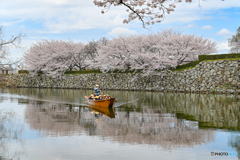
[
  {"x": 223, "y": 47},
  {"x": 10, "y": 23},
  {"x": 207, "y": 27},
  {"x": 61, "y": 16},
  {"x": 57, "y": 16},
  {"x": 121, "y": 30},
  {"x": 188, "y": 12},
  {"x": 190, "y": 25},
  {"x": 224, "y": 32}
]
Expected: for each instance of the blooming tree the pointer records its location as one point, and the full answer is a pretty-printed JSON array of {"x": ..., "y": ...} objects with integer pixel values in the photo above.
[
  {"x": 147, "y": 53},
  {"x": 182, "y": 48},
  {"x": 133, "y": 52},
  {"x": 147, "y": 11},
  {"x": 79, "y": 57},
  {"x": 152, "y": 52},
  {"x": 92, "y": 46},
  {"x": 55, "y": 57}
]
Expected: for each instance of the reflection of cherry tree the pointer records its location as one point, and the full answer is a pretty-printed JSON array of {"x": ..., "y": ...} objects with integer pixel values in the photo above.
[
  {"x": 220, "y": 111},
  {"x": 10, "y": 131},
  {"x": 146, "y": 127},
  {"x": 150, "y": 128},
  {"x": 52, "y": 119}
]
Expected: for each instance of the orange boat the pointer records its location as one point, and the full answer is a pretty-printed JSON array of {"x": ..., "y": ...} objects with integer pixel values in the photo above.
[{"x": 101, "y": 103}]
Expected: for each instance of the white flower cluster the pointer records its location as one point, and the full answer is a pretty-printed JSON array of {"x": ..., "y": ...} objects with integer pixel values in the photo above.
[{"x": 147, "y": 11}]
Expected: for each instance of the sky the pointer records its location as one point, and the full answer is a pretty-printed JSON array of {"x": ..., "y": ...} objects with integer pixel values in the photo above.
[{"x": 82, "y": 21}]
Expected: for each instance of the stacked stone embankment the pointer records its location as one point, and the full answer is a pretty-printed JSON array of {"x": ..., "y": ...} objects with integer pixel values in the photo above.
[{"x": 207, "y": 77}]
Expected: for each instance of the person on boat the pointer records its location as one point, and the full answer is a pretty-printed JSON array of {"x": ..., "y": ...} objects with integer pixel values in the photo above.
[
  {"x": 97, "y": 98},
  {"x": 97, "y": 90},
  {"x": 91, "y": 97},
  {"x": 107, "y": 96}
]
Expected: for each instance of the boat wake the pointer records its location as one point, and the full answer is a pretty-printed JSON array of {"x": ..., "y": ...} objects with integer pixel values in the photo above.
[
  {"x": 44, "y": 100},
  {"x": 125, "y": 103},
  {"x": 57, "y": 101}
]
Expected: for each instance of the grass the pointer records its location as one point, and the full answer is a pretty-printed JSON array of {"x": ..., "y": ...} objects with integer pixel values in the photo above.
[
  {"x": 182, "y": 69},
  {"x": 231, "y": 59},
  {"x": 194, "y": 65},
  {"x": 83, "y": 71}
]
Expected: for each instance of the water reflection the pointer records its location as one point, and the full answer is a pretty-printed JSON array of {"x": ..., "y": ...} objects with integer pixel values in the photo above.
[
  {"x": 99, "y": 111},
  {"x": 167, "y": 120},
  {"x": 146, "y": 127},
  {"x": 10, "y": 133},
  {"x": 234, "y": 142},
  {"x": 211, "y": 111}
]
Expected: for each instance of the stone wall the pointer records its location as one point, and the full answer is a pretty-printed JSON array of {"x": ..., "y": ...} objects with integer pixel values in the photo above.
[{"x": 207, "y": 77}]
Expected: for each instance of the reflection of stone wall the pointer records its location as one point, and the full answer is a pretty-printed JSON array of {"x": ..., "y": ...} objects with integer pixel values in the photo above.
[
  {"x": 148, "y": 128},
  {"x": 217, "y": 76},
  {"x": 221, "y": 111}
]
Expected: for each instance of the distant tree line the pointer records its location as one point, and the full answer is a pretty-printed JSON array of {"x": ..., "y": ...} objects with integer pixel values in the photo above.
[{"x": 148, "y": 53}]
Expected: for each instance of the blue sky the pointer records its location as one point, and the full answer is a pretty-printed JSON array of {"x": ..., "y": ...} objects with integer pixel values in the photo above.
[{"x": 81, "y": 20}]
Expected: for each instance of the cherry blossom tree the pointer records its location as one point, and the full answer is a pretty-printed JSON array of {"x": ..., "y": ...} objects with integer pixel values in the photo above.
[
  {"x": 55, "y": 57},
  {"x": 152, "y": 52},
  {"x": 148, "y": 53},
  {"x": 92, "y": 47},
  {"x": 79, "y": 56},
  {"x": 132, "y": 52},
  {"x": 147, "y": 11},
  {"x": 182, "y": 48}
]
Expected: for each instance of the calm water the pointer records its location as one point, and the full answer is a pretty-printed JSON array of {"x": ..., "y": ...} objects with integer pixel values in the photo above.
[{"x": 57, "y": 124}]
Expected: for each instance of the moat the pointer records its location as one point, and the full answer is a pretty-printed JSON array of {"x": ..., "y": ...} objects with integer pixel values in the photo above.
[{"x": 58, "y": 124}]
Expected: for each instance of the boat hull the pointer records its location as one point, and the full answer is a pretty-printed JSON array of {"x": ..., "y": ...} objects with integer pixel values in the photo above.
[{"x": 101, "y": 103}]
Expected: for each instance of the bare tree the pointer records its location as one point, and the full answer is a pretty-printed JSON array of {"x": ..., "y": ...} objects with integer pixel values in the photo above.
[{"x": 6, "y": 44}]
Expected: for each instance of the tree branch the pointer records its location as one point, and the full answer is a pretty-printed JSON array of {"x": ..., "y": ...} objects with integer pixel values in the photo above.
[{"x": 140, "y": 18}]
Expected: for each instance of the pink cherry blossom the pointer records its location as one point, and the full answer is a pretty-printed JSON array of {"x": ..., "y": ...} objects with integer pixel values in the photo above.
[
  {"x": 152, "y": 52},
  {"x": 142, "y": 9}
]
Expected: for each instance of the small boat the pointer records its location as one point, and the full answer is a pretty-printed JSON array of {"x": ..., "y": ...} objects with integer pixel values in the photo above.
[{"x": 101, "y": 103}]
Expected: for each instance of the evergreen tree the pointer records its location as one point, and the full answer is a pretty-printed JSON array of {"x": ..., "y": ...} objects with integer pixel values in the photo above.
[{"x": 234, "y": 42}]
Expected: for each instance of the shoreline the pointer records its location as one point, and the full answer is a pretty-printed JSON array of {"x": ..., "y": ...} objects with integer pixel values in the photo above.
[{"x": 164, "y": 91}]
